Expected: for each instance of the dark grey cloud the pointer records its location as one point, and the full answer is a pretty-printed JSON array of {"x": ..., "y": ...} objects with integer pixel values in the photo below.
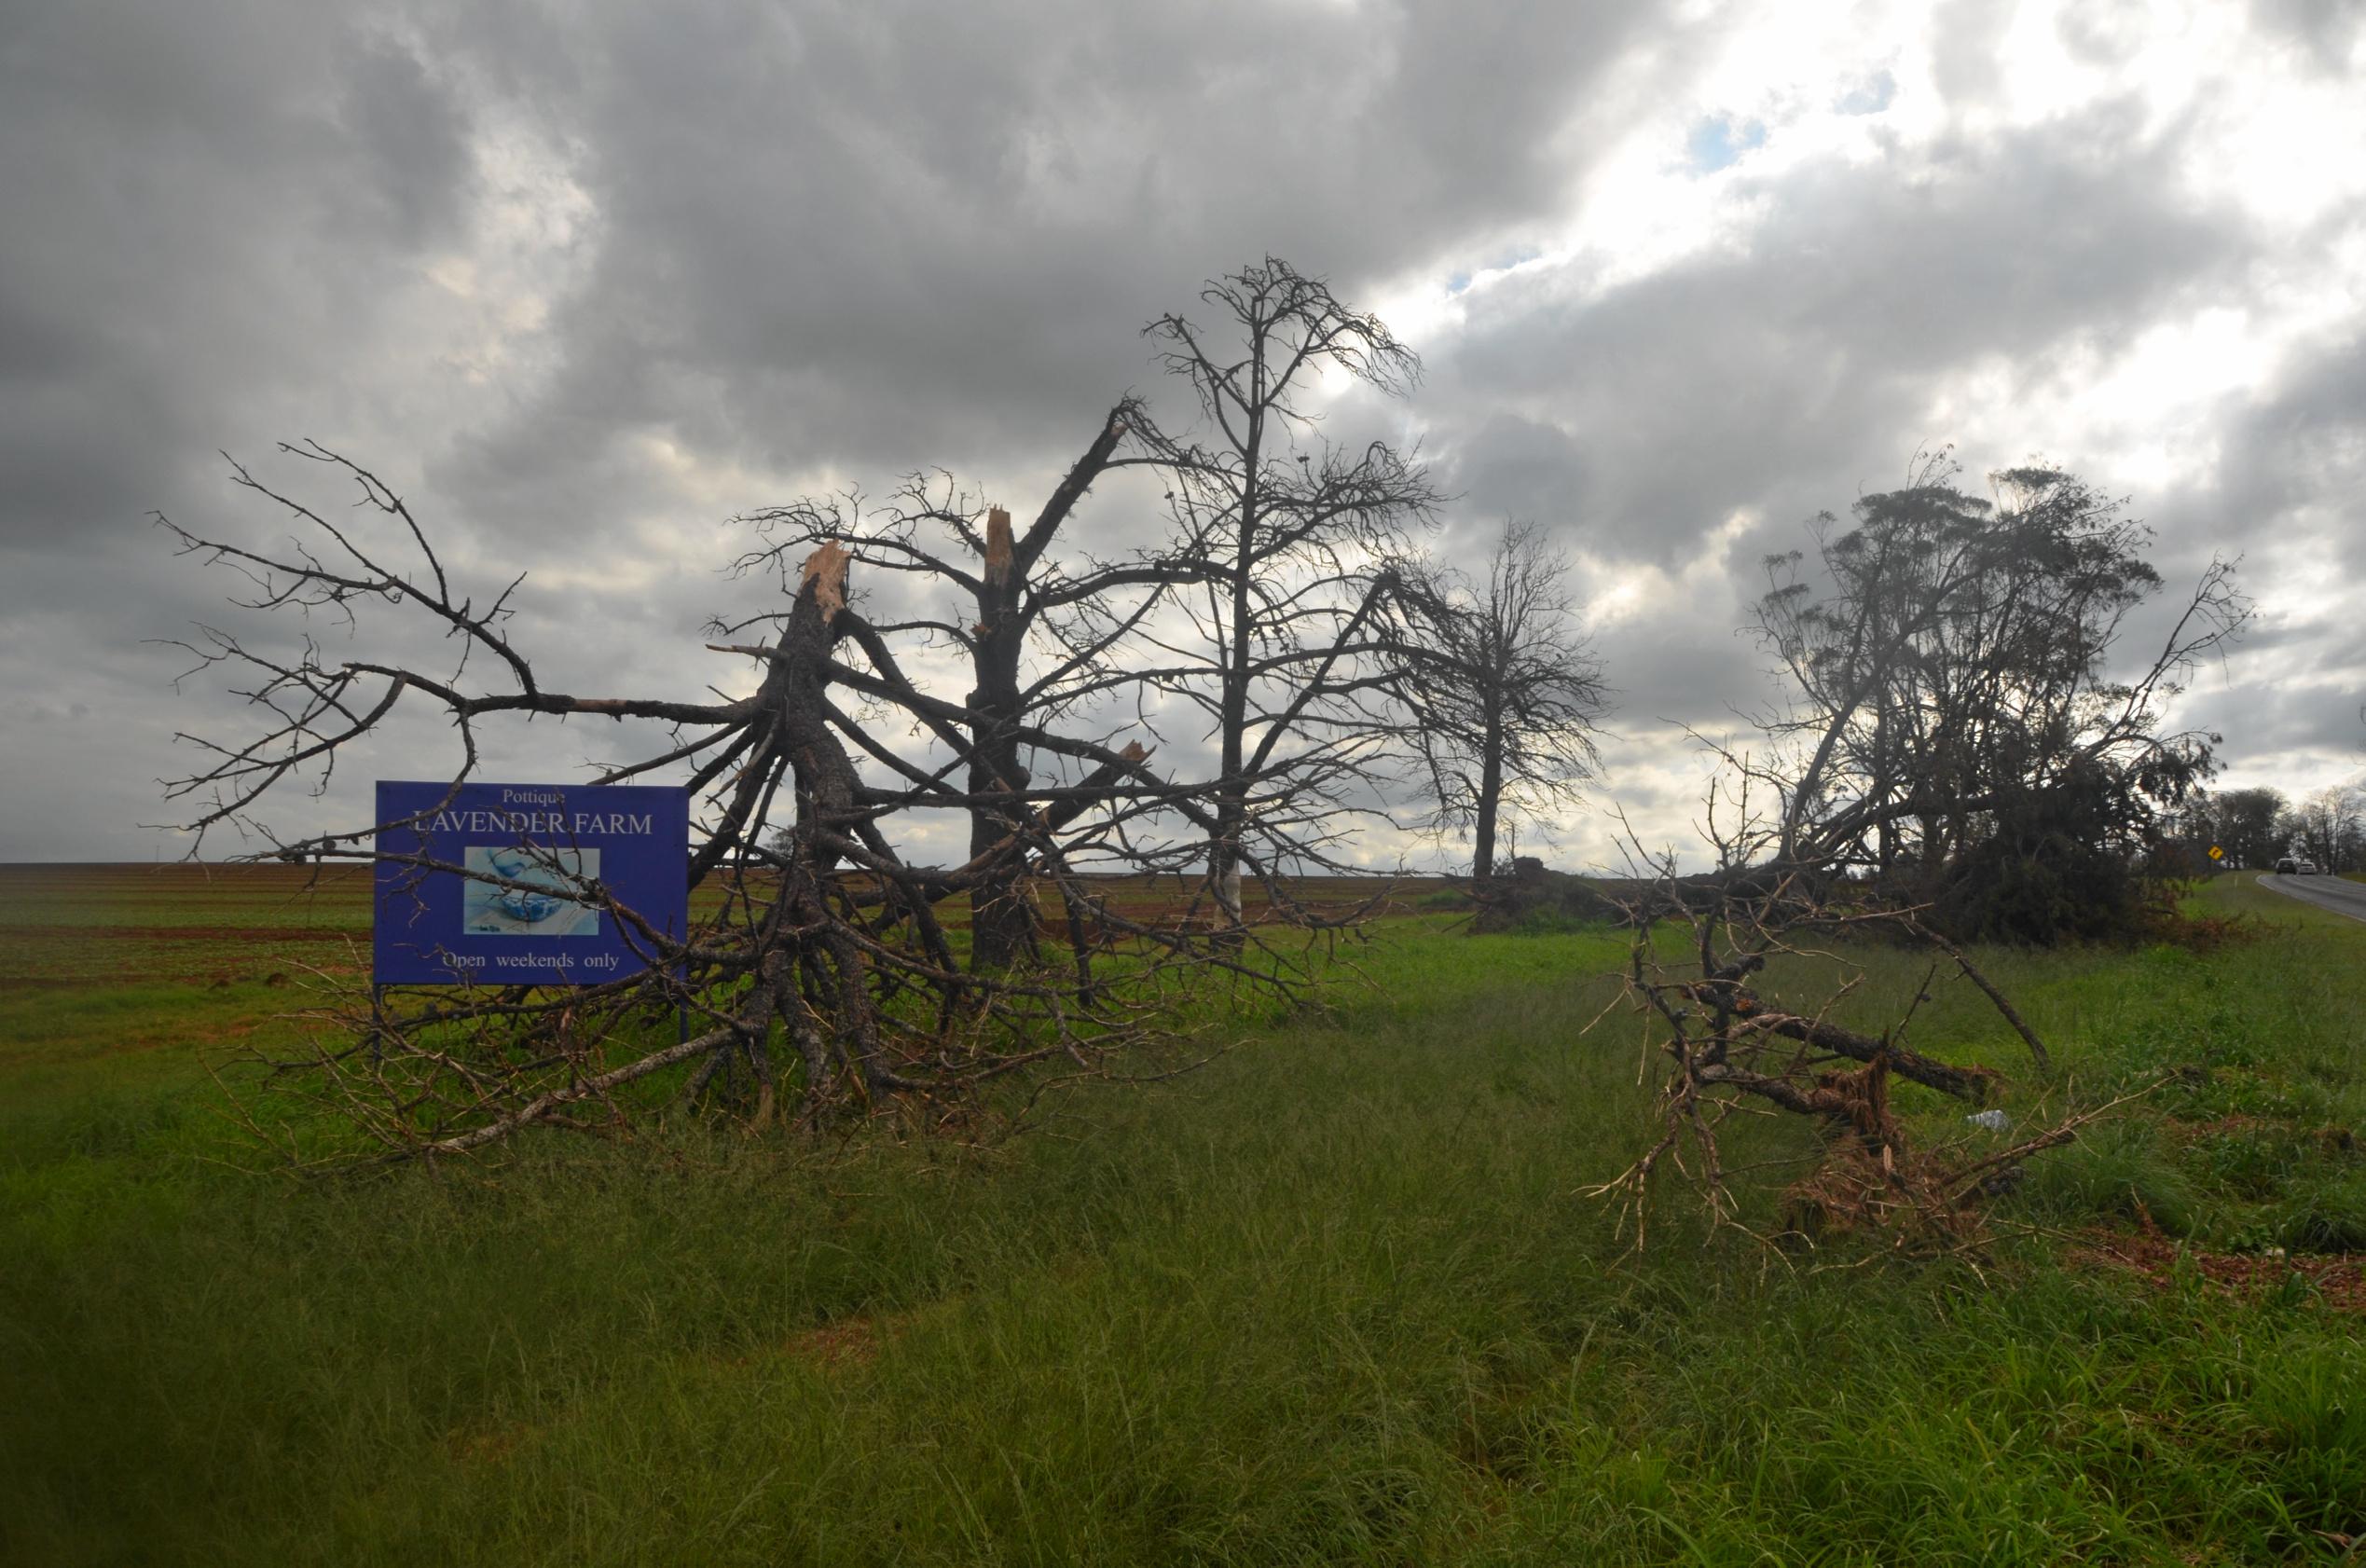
[
  {"x": 2300, "y": 451},
  {"x": 582, "y": 280},
  {"x": 1706, "y": 676},
  {"x": 2268, "y": 719},
  {"x": 205, "y": 205},
  {"x": 2284, "y": 497},
  {"x": 879, "y": 237},
  {"x": 410, "y": 138},
  {"x": 2326, "y": 30}
]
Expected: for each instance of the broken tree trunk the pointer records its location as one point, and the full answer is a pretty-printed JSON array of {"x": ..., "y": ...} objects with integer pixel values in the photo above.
[{"x": 1003, "y": 916}]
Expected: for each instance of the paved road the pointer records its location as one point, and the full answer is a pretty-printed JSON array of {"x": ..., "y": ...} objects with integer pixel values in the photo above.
[{"x": 2325, "y": 893}]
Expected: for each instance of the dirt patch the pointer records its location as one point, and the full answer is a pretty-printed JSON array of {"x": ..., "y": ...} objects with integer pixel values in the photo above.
[
  {"x": 244, "y": 935},
  {"x": 487, "y": 1446},
  {"x": 2333, "y": 1140},
  {"x": 842, "y": 1342},
  {"x": 2339, "y": 1283},
  {"x": 2236, "y": 1124}
]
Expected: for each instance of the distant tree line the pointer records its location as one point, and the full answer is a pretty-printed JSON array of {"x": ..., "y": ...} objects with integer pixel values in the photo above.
[{"x": 2254, "y": 828}]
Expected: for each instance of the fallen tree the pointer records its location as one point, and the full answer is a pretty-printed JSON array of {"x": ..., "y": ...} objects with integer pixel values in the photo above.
[
  {"x": 1948, "y": 691},
  {"x": 1965, "y": 725},
  {"x": 823, "y": 967},
  {"x": 1953, "y": 735},
  {"x": 1736, "y": 1026}
]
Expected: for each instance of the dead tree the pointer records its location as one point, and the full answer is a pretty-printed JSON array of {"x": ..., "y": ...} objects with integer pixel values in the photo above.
[
  {"x": 818, "y": 963},
  {"x": 1039, "y": 628},
  {"x": 1281, "y": 650},
  {"x": 1504, "y": 697}
]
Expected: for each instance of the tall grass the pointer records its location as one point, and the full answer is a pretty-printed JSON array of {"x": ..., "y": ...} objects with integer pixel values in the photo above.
[{"x": 1332, "y": 1300}]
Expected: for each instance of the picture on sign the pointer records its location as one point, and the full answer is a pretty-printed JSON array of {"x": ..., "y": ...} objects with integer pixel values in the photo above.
[
  {"x": 496, "y": 906},
  {"x": 527, "y": 883}
]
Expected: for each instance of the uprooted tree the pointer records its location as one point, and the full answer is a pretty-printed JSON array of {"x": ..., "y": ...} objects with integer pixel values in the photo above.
[
  {"x": 1952, "y": 700},
  {"x": 824, "y": 963}
]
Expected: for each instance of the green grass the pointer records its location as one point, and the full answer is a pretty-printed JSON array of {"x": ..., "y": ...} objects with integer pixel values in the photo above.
[{"x": 1332, "y": 1300}]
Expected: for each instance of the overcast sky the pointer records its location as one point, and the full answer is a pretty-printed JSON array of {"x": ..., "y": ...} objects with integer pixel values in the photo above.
[{"x": 583, "y": 280}]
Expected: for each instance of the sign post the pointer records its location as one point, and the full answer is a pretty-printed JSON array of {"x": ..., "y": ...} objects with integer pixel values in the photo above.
[{"x": 511, "y": 884}]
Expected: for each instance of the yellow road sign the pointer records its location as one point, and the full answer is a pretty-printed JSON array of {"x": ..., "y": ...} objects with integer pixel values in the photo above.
[{"x": 2216, "y": 853}]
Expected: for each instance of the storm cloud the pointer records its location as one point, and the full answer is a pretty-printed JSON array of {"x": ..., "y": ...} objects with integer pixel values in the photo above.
[{"x": 583, "y": 283}]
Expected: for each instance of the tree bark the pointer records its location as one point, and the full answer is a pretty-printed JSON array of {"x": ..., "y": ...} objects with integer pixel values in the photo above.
[
  {"x": 1231, "y": 804},
  {"x": 1001, "y": 911},
  {"x": 1490, "y": 795}
]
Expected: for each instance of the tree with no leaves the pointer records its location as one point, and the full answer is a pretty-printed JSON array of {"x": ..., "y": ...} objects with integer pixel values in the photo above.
[
  {"x": 818, "y": 965},
  {"x": 1018, "y": 596},
  {"x": 1285, "y": 654},
  {"x": 1504, "y": 693},
  {"x": 2329, "y": 827},
  {"x": 823, "y": 966}
]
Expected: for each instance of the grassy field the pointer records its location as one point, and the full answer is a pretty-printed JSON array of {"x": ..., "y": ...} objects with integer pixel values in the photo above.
[{"x": 1334, "y": 1298}]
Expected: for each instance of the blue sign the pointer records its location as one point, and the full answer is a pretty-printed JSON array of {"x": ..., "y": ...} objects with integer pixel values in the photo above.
[{"x": 521, "y": 884}]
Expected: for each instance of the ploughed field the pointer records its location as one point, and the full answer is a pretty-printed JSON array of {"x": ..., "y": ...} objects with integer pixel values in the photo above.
[
  {"x": 104, "y": 961},
  {"x": 100, "y": 960},
  {"x": 1335, "y": 1297}
]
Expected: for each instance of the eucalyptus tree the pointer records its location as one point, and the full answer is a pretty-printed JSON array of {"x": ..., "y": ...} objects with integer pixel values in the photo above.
[
  {"x": 1959, "y": 703},
  {"x": 1961, "y": 722}
]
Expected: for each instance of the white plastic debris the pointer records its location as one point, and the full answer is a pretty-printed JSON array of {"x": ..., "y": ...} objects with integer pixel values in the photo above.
[{"x": 1994, "y": 1121}]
